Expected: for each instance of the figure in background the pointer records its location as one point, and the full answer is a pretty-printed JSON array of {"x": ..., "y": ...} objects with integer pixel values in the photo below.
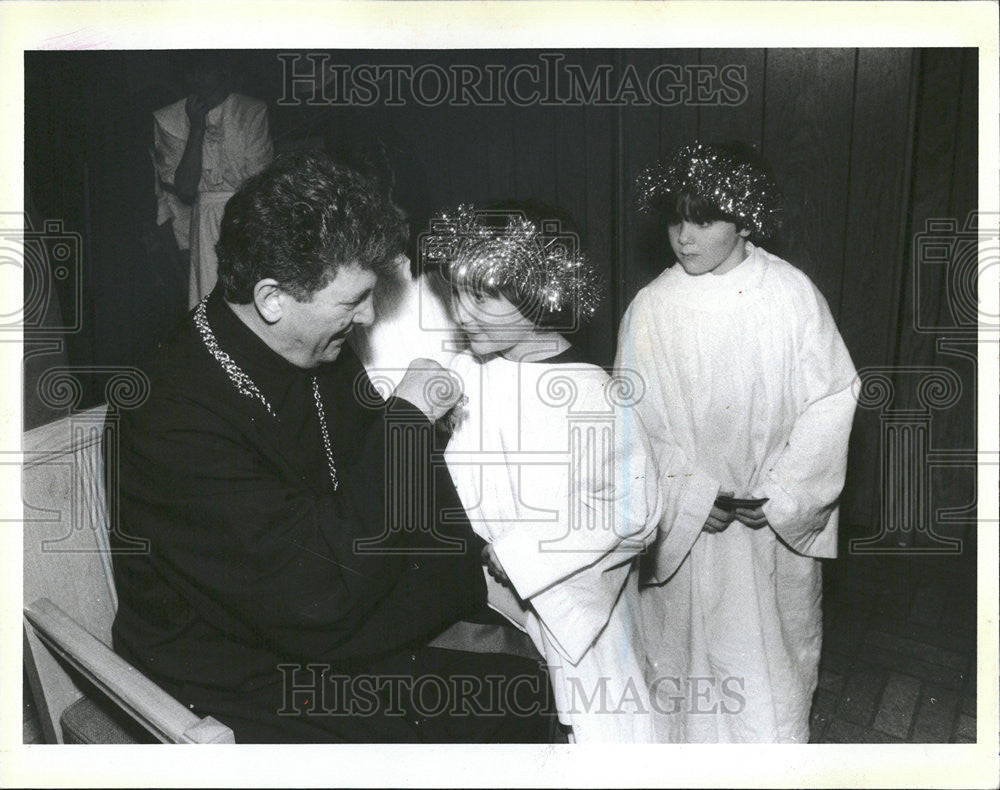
[
  {"x": 749, "y": 404},
  {"x": 552, "y": 472},
  {"x": 205, "y": 146}
]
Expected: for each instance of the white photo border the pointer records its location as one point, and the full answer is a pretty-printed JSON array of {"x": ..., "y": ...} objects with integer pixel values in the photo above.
[{"x": 417, "y": 25}]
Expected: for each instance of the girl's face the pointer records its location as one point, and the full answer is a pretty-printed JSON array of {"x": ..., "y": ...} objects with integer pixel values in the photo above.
[
  {"x": 716, "y": 247},
  {"x": 491, "y": 323}
]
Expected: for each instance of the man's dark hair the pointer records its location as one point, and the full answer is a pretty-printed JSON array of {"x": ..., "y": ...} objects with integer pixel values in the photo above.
[{"x": 298, "y": 221}]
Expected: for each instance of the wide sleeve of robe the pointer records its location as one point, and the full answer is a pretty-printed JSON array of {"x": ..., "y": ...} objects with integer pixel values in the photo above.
[
  {"x": 687, "y": 492},
  {"x": 258, "y": 150},
  {"x": 170, "y": 133},
  {"x": 572, "y": 566},
  {"x": 803, "y": 484},
  {"x": 412, "y": 321},
  {"x": 169, "y": 138}
]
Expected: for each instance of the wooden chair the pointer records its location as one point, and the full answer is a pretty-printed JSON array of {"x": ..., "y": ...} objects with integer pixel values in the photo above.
[{"x": 85, "y": 693}]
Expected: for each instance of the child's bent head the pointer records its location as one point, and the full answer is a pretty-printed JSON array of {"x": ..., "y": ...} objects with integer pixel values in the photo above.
[{"x": 703, "y": 183}]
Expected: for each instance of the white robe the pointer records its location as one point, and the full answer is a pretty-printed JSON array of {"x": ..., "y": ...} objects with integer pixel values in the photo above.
[
  {"x": 561, "y": 482},
  {"x": 237, "y": 145},
  {"x": 411, "y": 320},
  {"x": 748, "y": 388}
]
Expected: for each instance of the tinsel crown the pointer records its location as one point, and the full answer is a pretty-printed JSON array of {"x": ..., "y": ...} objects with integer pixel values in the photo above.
[
  {"x": 734, "y": 186},
  {"x": 502, "y": 251}
]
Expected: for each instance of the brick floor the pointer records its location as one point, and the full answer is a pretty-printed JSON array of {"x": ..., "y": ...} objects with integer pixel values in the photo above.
[
  {"x": 899, "y": 703},
  {"x": 899, "y": 651},
  {"x": 840, "y": 731},
  {"x": 861, "y": 693}
]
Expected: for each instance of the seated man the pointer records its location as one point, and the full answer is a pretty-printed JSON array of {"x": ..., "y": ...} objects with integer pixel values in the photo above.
[{"x": 300, "y": 560}]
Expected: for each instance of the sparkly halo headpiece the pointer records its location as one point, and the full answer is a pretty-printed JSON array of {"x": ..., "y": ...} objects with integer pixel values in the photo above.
[
  {"x": 503, "y": 251},
  {"x": 736, "y": 187}
]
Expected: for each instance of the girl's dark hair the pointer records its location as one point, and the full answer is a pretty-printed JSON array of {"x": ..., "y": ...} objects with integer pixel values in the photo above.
[
  {"x": 698, "y": 203},
  {"x": 301, "y": 219},
  {"x": 693, "y": 207}
]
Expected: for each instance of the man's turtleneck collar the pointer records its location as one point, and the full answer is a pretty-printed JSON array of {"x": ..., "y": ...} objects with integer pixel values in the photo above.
[{"x": 246, "y": 348}]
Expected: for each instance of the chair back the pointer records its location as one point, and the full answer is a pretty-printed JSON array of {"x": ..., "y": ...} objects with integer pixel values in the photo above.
[{"x": 67, "y": 556}]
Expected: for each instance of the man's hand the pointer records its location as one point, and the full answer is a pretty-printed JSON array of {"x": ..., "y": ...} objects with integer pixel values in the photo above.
[
  {"x": 755, "y": 519},
  {"x": 719, "y": 518},
  {"x": 492, "y": 563},
  {"x": 430, "y": 388}
]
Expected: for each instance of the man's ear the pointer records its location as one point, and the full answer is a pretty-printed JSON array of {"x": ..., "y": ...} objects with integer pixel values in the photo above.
[
  {"x": 268, "y": 299},
  {"x": 745, "y": 232}
]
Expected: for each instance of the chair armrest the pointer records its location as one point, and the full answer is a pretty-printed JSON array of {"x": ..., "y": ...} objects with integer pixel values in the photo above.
[{"x": 165, "y": 718}]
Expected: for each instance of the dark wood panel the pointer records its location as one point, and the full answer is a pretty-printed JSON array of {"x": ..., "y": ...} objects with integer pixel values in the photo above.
[
  {"x": 640, "y": 146},
  {"x": 648, "y": 133},
  {"x": 570, "y": 194},
  {"x": 422, "y": 171},
  {"x": 679, "y": 123},
  {"x": 601, "y": 139},
  {"x": 873, "y": 247},
  {"x": 498, "y": 151},
  {"x": 964, "y": 196},
  {"x": 874, "y": 256},
  {"x": 807, "y": 138},
  {"x": 570, "y": 153},
  {"x": 467, "y": 135},
  {"x": 932, "y": 176},
  {"x": 955, "y": 427},
  {"x": 937, "y": 179},
  {"x": 738, "y": 113},
  {"x": 534, "y": 162},
  {"x": 961, "y": 425}
]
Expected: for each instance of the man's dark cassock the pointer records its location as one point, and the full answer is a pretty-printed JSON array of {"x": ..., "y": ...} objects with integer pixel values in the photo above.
[{"x": 252, "y": 564}]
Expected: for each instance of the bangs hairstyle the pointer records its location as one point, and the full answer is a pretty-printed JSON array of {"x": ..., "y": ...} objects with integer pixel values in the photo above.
[
  {"x": 690, "y": 207},
  {"x": 298, "y": 221},
  {"x": 704, "y": 183}
]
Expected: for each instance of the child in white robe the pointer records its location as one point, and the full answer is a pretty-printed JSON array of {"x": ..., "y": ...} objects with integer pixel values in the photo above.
[
  {"x": 552, "y": 472},
  {"x": 748, "y": 394}
]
